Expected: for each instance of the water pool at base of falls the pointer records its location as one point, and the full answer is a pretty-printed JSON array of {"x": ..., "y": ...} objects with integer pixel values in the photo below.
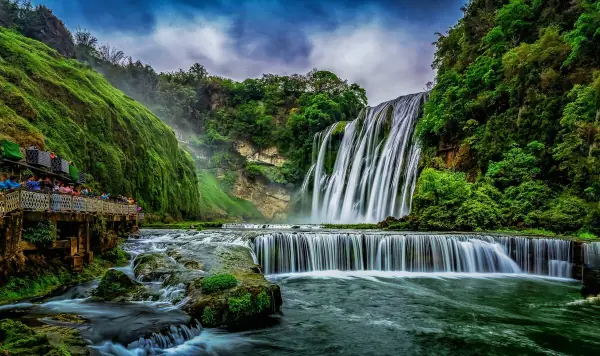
[{"x": 346, "y": 312}]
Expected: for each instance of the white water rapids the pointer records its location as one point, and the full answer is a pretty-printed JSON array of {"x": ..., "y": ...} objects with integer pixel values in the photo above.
[{"x": 375, "y": 171}]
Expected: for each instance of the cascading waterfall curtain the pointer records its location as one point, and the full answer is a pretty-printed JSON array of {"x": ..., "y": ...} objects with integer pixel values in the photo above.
[
  {"x": 375, "y": 171},
  {"x": 290, "y": 252}
]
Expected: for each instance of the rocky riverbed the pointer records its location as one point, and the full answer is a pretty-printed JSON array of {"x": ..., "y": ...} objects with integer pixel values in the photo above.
[{"x": 177, "y": 284}]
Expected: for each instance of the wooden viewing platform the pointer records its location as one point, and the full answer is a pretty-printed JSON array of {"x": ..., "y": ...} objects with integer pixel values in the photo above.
[
  {"x": 24, "y": 200},
  {"x": 71, "y": 218}
]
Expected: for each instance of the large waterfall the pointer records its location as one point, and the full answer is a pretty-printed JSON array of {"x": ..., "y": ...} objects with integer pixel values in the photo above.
[
  {"x": 375, "y": 170},
  {"x": 289, "y": 252}
]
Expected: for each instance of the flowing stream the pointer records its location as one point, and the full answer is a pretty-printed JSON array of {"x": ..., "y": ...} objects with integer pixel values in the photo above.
[{"x": 357, "y": 293}]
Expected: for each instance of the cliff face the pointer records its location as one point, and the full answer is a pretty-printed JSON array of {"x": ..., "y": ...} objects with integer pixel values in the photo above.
[
  {"x": 267, "y": 156},
  {"x": 40, "y": 24},
  {"x": 272, "y": 200},
  {"x": 64, "y": 106}
]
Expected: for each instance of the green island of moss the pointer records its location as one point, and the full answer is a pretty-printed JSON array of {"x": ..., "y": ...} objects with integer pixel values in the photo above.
[{"x": 218, "y": 283}]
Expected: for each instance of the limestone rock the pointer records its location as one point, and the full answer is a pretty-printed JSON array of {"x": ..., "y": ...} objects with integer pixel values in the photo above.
[
  {"x": 269, "y": 155},
  {"x": 272, "y": 200}
]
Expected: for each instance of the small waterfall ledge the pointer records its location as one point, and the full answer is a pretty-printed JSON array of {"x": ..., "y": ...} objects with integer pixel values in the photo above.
[
  {"x": 290, "y": 252},
  {"x": 375, "y": 170}
]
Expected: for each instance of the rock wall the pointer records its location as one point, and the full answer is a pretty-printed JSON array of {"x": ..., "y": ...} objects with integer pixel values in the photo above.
[
  {"x": 269, "y": 156},
  {"x": 272, "y": 200}
]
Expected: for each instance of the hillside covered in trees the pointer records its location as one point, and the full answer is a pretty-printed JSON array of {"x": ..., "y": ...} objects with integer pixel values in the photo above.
[
  {"x": 511, "y": 132},
  {"x": 62, "y": 105},
  {"x": 211, "y": 113}
]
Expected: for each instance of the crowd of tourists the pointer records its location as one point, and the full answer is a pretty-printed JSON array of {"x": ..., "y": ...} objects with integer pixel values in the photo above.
[{"x": 47, "y": 185}]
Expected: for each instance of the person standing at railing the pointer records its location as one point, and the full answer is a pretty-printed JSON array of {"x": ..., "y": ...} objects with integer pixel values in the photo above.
[{"x": 32, "y": 184}]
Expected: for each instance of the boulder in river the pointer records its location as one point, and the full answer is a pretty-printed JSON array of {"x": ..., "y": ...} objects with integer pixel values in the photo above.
[
  {"x": 117, "y": 286},
  {"x": 153, "y": 266},
  {"x": 235, "y": 294}
]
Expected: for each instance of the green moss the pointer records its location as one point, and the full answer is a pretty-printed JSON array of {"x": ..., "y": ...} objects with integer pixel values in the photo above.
[
  {"x": 208, "y": 317},
  {"x": 263, "y": 302},
  {"x": 18, "y": 339},
  {"x": 340, "y": 128},
  {"x": 218, "y": 283},
  {"x": 215, "y": 203},
  {"x": 240, "y": 306},
  {"x": 17, "y": 288},
  {"x": 64, "y": 106}
]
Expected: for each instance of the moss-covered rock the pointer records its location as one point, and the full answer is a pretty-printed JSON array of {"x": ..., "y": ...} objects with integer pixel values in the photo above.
[
  {"x": 117, "y": 286},
  {"x": 235, "y": 294},
  {"x": 217, "y": 283},
  {"x": 65, "y": 339},
  {"x": 17, "y": 339},
  {"x": 186, "y": 262},
  {"x": 153, "y": 266},
  {"x": 117, "y": 256}
]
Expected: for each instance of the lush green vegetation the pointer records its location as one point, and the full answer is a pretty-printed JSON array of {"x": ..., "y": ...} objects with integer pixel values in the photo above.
[
  {"x": 216, "y": 204},
  {"x": 218, "y": 283},
  {"x": 18, "y": 339},
  {"x": 46, "y": 279},
  {"x": 65, "y": 106},
  {"x": 517, "y": 94},
  {"x": 214, "y": 112},
  {"x": 41, "y": 233}
]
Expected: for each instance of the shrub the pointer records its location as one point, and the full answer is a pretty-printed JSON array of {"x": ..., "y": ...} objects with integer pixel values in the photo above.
[
  {"x": 218, "y": 282},
  {"x": 41, "y": 234}
]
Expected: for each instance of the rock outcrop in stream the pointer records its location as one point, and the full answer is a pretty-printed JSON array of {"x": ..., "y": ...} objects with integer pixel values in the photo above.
[
  {"x": 117, "y": 286},
  {"x": 221, "y": 285}
]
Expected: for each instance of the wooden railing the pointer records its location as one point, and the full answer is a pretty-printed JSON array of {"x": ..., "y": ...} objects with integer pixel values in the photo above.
[{"x": 54, "y": 202}]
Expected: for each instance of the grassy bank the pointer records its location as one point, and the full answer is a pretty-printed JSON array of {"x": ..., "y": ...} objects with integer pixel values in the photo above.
[
  {"x": 43, "y": 280},
  {"x": 582, "y": 236}
]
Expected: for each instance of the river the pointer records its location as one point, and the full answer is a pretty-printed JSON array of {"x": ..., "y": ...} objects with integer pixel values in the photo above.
[{"x": 345, "y": 313}]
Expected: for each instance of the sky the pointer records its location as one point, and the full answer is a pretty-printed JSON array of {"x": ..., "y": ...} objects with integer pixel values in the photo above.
[{"x": 383, "y": 45}]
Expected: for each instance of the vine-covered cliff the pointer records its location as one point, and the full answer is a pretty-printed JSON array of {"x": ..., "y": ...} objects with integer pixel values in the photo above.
[{"x": 65, "y": 106}]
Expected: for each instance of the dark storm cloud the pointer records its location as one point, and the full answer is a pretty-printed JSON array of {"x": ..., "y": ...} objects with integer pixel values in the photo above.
[{"x": 383, "y": 45}]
